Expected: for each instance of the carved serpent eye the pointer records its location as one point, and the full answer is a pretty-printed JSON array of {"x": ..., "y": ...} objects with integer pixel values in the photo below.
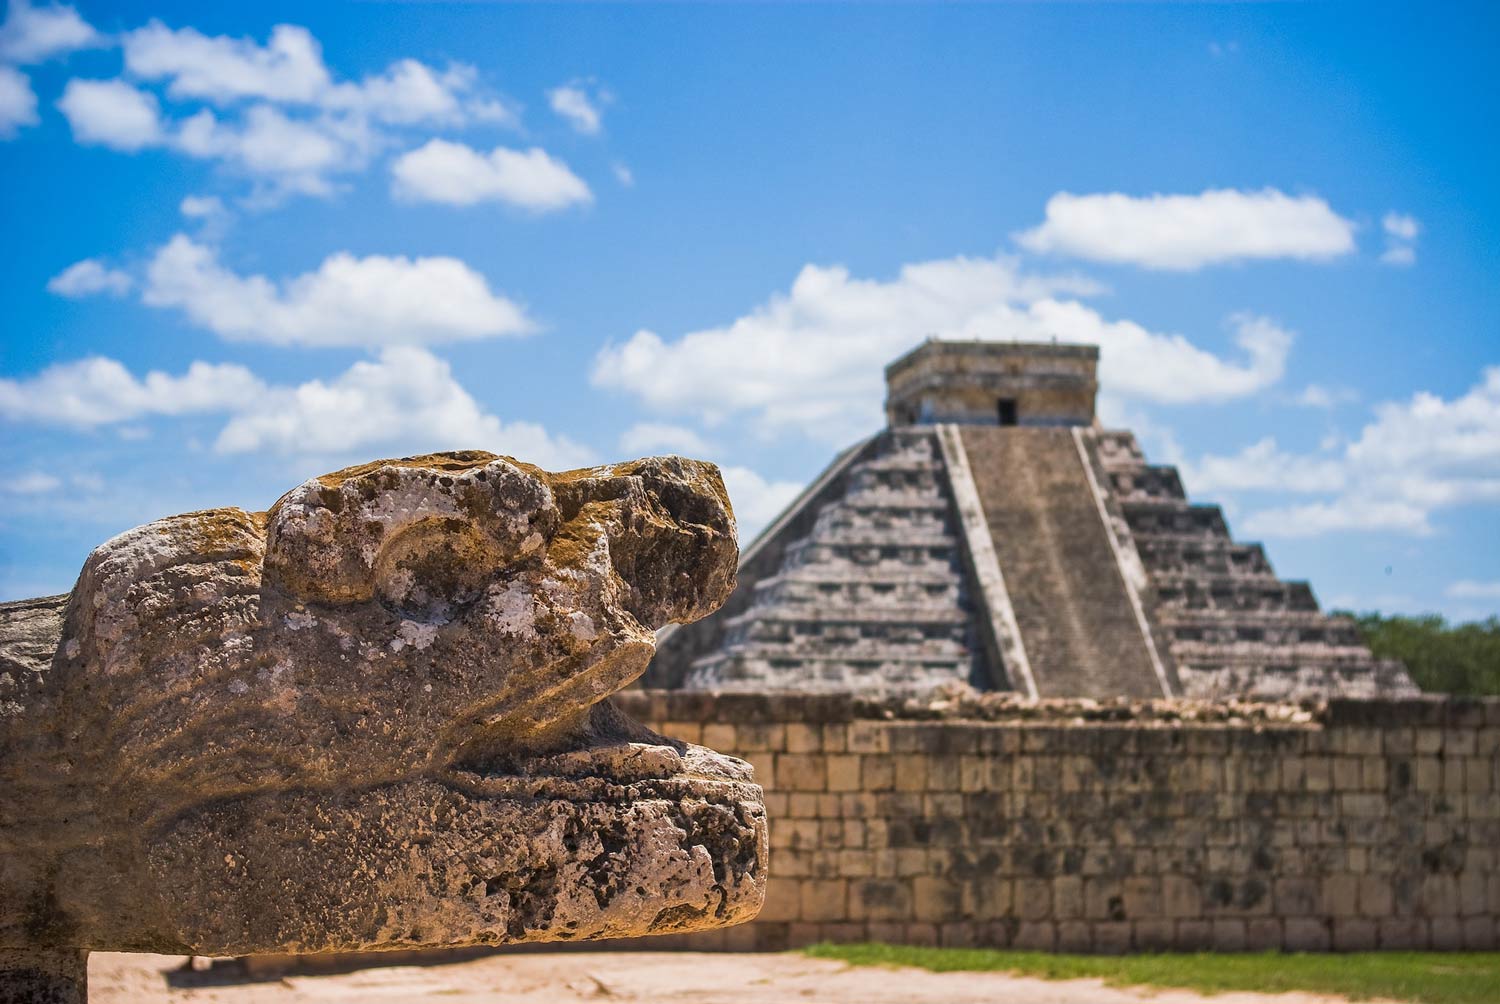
[
  {"x": 422, "y": 536},
  {"x": 434, "y": 569}
]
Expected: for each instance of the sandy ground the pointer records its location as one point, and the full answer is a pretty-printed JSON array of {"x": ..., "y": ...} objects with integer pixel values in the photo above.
[{"x": 566, "y": 978}]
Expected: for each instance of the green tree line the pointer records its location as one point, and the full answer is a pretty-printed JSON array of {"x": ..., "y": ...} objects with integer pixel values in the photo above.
[{"x": 1441, "y": 657}]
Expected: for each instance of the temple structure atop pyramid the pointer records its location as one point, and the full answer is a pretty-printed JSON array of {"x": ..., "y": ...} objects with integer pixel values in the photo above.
[{"x": 994, "y": 533}]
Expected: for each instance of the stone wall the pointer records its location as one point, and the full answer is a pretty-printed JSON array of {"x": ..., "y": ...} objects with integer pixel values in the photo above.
[{"x": 1085, "y": 827}]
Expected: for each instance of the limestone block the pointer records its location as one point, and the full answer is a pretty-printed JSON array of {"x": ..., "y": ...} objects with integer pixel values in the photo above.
[
  {"x": 1354, "y": 934},
  {"x": 1401, "y": 933},
  {"x": 843, "y": 772},
  {"x": 877, "y": 773},
  {"x": 1439, "y": 897},
  {"x": 1307, "y": 935}
]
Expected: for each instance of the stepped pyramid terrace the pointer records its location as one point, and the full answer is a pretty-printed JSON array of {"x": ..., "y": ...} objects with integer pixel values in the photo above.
[{"x": 995, "y": 534}]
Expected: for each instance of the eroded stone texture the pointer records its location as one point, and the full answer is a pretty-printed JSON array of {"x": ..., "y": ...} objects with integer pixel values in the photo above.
[{"x": 374, "y": 717}]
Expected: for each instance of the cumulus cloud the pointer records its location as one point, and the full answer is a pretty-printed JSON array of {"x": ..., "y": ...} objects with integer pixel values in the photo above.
[
  {"x": 1262, "y": 466},
  {"x": 811, "y": 358},
  {"x": 1401, "y": 230},
  {"x": 368, "y": 302},
  {"x": 405, "y": 401},
  {"x": 289, "y": 69},
  {"x": 112, "y": 113},
  {"x": 644, "y": 438},
  {"x": 458, "y": 175},
  {"x": 88, "y": 278},
  {"x": 34, "y": 34},
  {"x": 17, "y": 102},
  {"x": 756, "y": 500},
  {"x": 1186, "y": 232},
  {"x": 99, "y": 391},
  {"x": 292, "y": 155},
  {"x": 580, "y": 106},
  {"x": 280, "y": 153},
  {"x": 1413, "y": 459},
  {"x": 279, "y": 115}
]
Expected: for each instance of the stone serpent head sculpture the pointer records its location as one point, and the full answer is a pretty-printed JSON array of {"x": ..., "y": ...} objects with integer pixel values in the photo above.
[{"x": 373, "y": 717}]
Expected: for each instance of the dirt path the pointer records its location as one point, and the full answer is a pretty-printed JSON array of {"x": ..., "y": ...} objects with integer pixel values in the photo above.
[{"x": 656, "y": 977}]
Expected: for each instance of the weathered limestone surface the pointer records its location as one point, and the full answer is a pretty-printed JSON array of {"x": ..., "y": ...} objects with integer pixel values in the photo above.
[
  {"x": 997, "y": 821},
  {"x": 373, "y": 717}
]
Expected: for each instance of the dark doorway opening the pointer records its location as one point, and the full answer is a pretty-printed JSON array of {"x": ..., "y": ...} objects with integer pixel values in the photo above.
[{"x": 1007, "y": 411}]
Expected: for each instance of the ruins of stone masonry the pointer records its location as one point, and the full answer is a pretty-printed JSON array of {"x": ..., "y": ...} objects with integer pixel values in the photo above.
[
  {"x": 375, "y": 717},
  {"x": 994, "y": 533}
]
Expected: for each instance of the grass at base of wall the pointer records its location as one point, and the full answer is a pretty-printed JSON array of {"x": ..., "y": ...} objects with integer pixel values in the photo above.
[{"x": 1428, "y": 977}]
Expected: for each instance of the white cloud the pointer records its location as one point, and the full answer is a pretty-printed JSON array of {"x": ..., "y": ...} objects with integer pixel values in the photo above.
[
  {"x": 283, "y": 120},
  {"x": 89, "y": 277},
  {"x": 1317, "y": 396},
  {"x": 1401, "y": 226},
  {"x": 17, "y": 102},
  {"x": 112, "y": 113},
  {"x": 1185, "y": 232},
  {"x": 756, "y": 501},
  {"x": 645, "y": 438},
  {"x": 34, "y": 34},
  {"x": 810, "y": 359},
  {"x": 32, "y": 483},
  {"x": 1401, "y": 230},
  {"x": 201, "y": 207},
  {"x": 1469, "y": 589},
  {"x": 580, "y": 109},
  {"x": 623, "y": 174},
  {"x": 294, "y": 155},
  {"x": 1415, "y": 458},
  {"x": 98, "y": 391},
  {"x": 1263, "y": 466},
  {"x": 458, "y": 175},
  {"x": 405, "y": 402},
  {"x": 289, "y": 67},
  {"x": 369, "y": 302},
  {"x": 207, "y": 210},
  {"x": 410, "y": 93},
  {"x": 281, "y": 153}
]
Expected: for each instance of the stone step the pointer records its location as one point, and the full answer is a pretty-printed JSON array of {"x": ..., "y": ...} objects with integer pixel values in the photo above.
[
  {"x": 1194, "y": 556},
  {"x": 1156, "y": 516},
  {"x": 1147, "y": 483},
  {"x": 1071, "y": 603},
  {"x": 1232, "y": 593}
]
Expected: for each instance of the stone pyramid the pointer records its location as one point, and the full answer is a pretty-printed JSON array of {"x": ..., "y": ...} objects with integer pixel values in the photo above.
[{"x": 994, "y": 534}]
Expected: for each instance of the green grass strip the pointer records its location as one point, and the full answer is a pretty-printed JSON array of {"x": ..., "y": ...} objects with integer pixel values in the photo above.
[{"x": 1427, "y": 977}]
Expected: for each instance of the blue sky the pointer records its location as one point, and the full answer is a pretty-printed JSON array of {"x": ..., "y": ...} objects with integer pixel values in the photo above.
[{"x": 248, "y": 244}]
